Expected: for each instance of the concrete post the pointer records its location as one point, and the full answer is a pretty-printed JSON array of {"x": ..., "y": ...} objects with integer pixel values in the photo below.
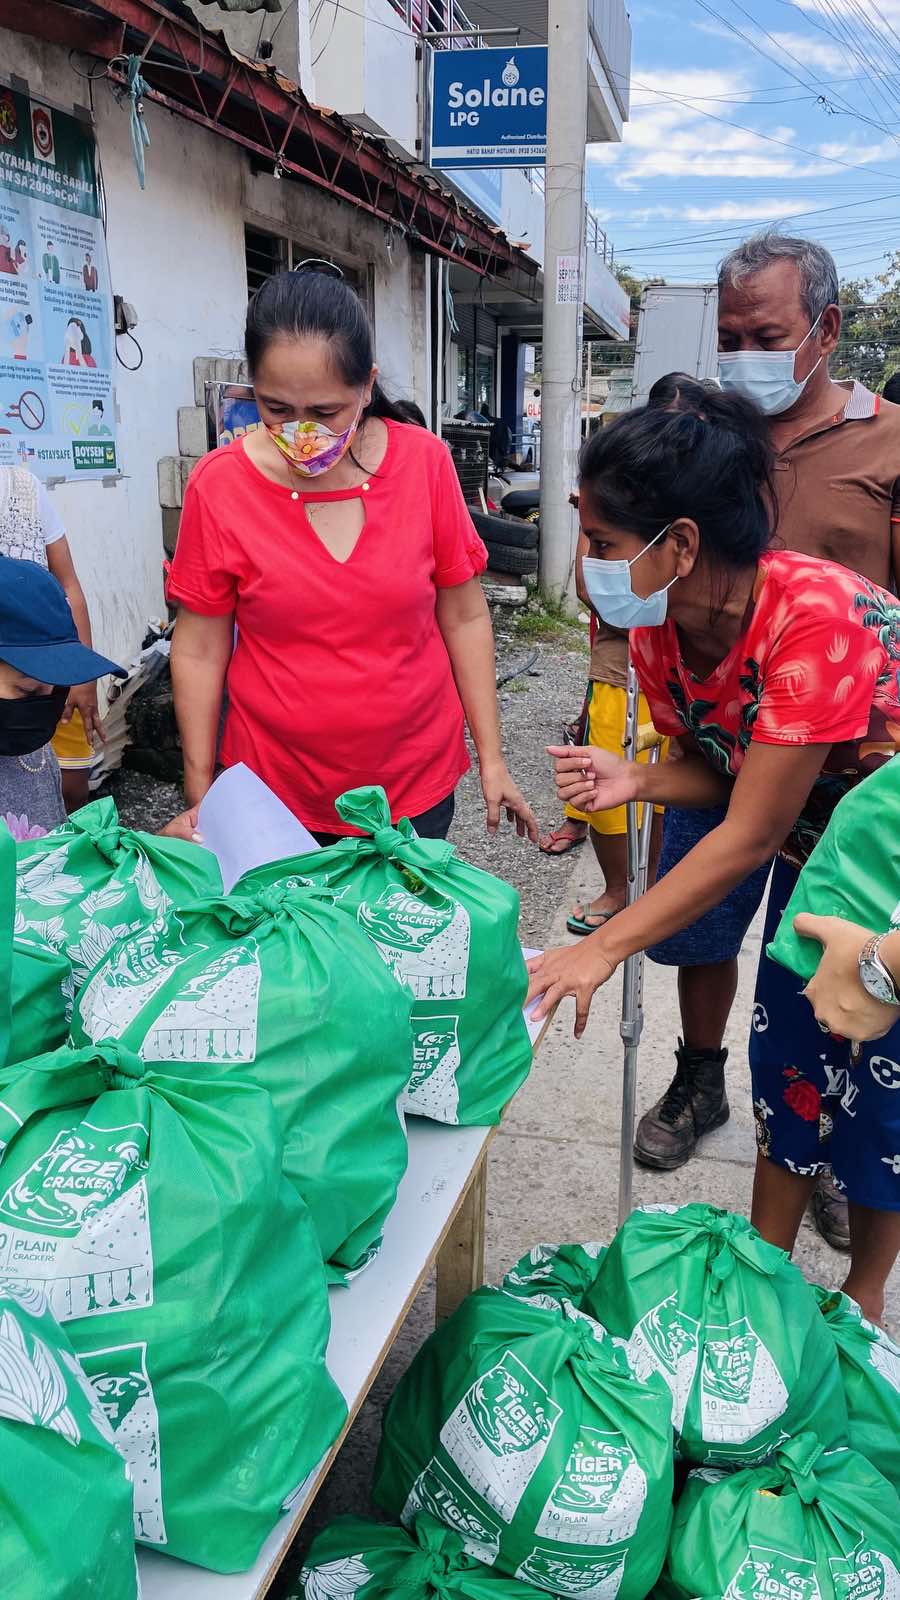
[{"x": 564, "y": 266}]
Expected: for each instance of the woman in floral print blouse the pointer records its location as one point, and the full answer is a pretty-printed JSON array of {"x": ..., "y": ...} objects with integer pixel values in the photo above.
[{"x": 779, "y": 677}]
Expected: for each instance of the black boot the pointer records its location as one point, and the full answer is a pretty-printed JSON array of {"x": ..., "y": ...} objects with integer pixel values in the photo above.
[{"x": 694, "y": 1103}]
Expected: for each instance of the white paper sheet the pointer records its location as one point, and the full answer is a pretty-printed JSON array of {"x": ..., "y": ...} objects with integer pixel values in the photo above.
[
  {"x": 534, "y": 1028},
  {"x": 245, "y": 825}
]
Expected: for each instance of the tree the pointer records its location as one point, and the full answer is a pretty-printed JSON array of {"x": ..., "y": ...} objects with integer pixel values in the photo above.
[
  {"x": 869, "y": 346},
  {"x": 608, "y": 353}
]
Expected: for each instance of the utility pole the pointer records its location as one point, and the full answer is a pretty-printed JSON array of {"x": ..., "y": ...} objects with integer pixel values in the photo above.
[{"x": 564, "y": 267}]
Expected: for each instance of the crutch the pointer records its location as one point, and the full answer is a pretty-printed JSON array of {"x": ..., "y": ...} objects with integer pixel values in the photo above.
[{"x": 637, "y": 739}]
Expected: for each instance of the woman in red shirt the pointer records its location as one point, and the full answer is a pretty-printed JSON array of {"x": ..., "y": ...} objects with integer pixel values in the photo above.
[
  {"x": 779, "y": 676},
  {"x": 337, "y": 540}
]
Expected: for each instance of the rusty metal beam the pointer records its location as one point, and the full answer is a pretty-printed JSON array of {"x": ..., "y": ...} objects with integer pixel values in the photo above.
[
  {"x": 58, "y": 24},
  {"x": 308, "y": 177},
  {"x": 253, "y": 108}
]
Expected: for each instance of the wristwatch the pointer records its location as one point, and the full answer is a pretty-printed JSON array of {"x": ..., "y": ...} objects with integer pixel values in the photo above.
[{"x": 874, "y": 975}]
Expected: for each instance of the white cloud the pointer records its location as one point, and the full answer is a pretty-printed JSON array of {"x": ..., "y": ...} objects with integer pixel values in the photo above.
[
  {"x": 726, "y": 211},
  {"x": 670, "y": 139},
  {"x": 890, "y": 10},
  {"x": 813, "y": 50}
]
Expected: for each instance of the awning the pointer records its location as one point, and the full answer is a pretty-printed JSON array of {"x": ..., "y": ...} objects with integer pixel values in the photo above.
[
  {"x": 195, "y": 73},
  {"x": 517, "y": 304}
]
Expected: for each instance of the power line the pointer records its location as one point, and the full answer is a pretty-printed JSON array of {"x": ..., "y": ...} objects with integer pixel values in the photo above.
[
  {"x": 845, "y": 37},
  {"x": 707, "y": 238},
  {"x": 849, "y": 108},
  {"x": 791, "y": 5},
  {"x": 799, "y": 150}
]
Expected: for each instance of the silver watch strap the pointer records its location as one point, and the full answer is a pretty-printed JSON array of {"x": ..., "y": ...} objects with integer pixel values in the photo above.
[{"x": 871, "y": 952}]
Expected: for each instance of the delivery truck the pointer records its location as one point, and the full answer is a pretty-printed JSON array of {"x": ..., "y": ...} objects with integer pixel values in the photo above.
[{"x": 676, "y": 332}]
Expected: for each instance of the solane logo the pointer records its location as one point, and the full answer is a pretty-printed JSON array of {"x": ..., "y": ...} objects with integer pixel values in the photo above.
[{"x": 466, "y": 105}]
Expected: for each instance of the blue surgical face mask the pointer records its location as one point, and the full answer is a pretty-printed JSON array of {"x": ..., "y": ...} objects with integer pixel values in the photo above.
[
  {"x": 766, "y": 376},
  {"x": 608, "y": 584}
]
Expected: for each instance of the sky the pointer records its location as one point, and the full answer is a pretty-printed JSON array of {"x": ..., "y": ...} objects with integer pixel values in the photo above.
[{"x": 729, "y": 134}]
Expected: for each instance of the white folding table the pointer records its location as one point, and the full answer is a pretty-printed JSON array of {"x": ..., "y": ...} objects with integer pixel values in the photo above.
[{"x": 438, "y": 1220}]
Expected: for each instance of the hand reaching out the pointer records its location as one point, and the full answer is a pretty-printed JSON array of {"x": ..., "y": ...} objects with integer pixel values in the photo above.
[{"x": 592, "y": 780}]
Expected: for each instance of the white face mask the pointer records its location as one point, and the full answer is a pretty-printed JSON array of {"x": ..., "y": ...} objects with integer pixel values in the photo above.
[
  {"x": 608, "y": 584},
  {"x": 766, "y": 376}
]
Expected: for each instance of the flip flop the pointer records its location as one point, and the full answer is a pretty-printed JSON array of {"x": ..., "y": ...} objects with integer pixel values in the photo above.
[
  {"x": 581, "y": 926},
  {"x": 568, "y": 840}
]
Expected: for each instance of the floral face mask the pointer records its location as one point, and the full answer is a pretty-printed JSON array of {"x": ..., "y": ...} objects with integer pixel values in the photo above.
[{"x": 312, "y": 447}]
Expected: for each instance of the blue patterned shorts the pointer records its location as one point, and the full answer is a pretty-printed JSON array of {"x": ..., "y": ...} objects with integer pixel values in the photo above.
[
  {"x": 814, "y": 1107},
  {"x": 719, "y": 933}
]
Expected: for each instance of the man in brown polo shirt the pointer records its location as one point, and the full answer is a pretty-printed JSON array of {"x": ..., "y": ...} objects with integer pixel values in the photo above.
[{"x": 837, "y": 480}]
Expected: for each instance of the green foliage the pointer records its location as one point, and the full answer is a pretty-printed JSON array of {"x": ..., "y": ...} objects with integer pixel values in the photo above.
[{"x": 869, "y": 346}]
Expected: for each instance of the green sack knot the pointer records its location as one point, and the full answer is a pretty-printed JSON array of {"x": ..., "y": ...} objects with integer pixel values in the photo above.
[
  {"x": 274, "y": 896},
  {"x": 125, "y": 1066},
  {"x": 797, "y": 1458},
  {"x": 99, "y": 822},
  {"x": 387, "y": 839},
  {"x": 435, "y": 1568},
  {"x": 721, "y": 1228}
]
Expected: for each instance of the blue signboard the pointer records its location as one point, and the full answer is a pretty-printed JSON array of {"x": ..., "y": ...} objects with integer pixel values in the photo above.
[
  {"x": 489, "y": 108},
  {"x": 485, "y": 188}
]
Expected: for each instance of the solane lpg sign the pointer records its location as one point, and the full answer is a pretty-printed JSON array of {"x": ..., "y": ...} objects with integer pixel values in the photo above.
[{"x": 489, "y": 108}]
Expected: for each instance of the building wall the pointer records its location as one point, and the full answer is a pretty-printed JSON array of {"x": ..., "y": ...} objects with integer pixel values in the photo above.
[
  {"x": 342, "y": 233},
  {"x": 364, "y": 66},
  {"x": 177, "y": 254},
  {"x": 288, "y": 30}
]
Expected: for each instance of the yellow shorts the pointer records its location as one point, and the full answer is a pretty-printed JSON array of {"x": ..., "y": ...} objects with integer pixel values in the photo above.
[
  {"x": 606, "y": 730},
  {"x": 71, "y": 745}
]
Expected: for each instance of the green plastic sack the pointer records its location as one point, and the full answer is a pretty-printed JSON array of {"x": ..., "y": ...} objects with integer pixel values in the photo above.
[
  {"x": 42, "y": 994},
  {"x": 187, "y": 1274},
  {"x": 731, "y": 1325},
  {"x": 853, "y": 872},
  {"x": 7, "y": 904},
  {"x": 869, "y": 1362},
  {"x": 524, "y": 1430},
  {"x": 813, "y": 1525},
  {"x": 555, "y": 1273},
  {"x": 89, "y": 882},
  {"x": 36, "y": 983},
  {"x": 449, "y": 932},
  {"x": 65, "y": 1499},
  {"x": 371, "y": 1561},
  {"x": 273, "y": 984}
]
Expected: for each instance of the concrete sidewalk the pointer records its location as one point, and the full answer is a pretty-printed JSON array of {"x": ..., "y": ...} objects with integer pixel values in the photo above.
[{"x": 554, "y": 1169}]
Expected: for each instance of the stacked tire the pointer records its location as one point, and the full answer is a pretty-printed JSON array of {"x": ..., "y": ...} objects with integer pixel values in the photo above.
[{"x": 512, "y": 545}]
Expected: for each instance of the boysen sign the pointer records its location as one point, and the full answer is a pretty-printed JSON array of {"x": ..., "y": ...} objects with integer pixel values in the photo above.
[{"x": 489, "y": 108}]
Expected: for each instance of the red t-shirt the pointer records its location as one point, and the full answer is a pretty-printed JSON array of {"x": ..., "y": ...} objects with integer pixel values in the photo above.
[
  {"x": 819, "y": 663},
  {"x": 340, "y": 676}
]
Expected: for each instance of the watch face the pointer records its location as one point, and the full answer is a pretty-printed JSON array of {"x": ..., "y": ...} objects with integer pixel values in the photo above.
[{"x": 877, "y": 983}]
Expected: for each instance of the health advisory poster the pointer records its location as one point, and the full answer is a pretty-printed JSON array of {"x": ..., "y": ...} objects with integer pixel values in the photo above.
[{"x": 57, "y": 347}]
